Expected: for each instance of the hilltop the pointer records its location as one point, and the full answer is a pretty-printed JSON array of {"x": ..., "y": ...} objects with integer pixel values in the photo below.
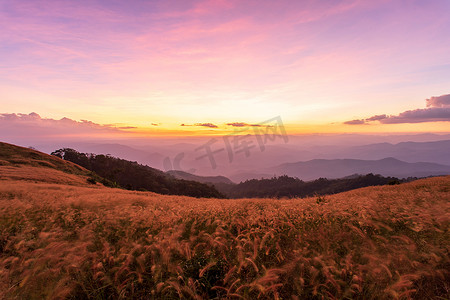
[
  {"x": 28, "y": 164},
  {"x": 12, "y": 155}
]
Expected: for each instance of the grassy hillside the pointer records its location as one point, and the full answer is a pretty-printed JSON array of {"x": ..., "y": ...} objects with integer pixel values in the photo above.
[
  {"x": 14, "y": 156},
  {"x": 27, "y": 164},
  {"x": 62, "y": 241}
]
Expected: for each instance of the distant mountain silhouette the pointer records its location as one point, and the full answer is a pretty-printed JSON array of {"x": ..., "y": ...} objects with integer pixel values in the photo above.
[
  {"x": 436, "y": 152},
  {"x": 203, "y": 179},
  {"x": 338, "y": 168},
  {"x": 158, "y": 154},
  {"x": 243, "y": 176}
]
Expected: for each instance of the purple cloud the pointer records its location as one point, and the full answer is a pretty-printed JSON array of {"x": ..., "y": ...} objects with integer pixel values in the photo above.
[
  {"x": 440, "y": 101},
  {"x": 355, "y": 122},
  {"x": 210, "y": 125},
  {"x": 242, "y": 124},
  {"x": 434, "y": 114},
  {"x": 377, "y": 118},
  {"x": 438, "y": 111}
]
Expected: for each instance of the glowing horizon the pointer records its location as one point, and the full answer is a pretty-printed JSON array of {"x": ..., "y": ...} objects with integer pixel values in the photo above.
[{"x": 345, "y": 66}]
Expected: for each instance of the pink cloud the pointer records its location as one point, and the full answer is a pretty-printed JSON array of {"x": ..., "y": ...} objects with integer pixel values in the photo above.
[
  {"x": 90, "y": 43},
  {"x": 435, "y": 114},
  {"x": 377, "y": 118},
  {"x": 196, "y": 52},
  {"x": 438, "y": 111},
  {"x": 197, "y": 9},
  {"x": 355, "y": 122},
  {"x": 440, "y": 101},
  {"x": 34, "y": 126}
]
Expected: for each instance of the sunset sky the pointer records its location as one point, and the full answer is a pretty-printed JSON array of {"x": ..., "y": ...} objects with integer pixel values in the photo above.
[{"x": 323, "y": 66}]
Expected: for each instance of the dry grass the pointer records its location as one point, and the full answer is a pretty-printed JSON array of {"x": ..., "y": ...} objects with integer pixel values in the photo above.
[
  {"x": 15, "y": 156},
  {"x": 64, "y": 241},
  {"x": 19, "y": 163},
  {"x": 41, "y": 174}
]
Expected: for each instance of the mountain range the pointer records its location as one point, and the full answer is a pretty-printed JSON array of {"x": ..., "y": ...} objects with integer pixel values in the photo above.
[{"x": 338, "y": 168}]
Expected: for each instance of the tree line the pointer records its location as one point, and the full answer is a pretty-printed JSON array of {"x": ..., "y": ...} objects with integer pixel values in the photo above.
[
  {"x": 289, "y": 187},
  {"x": 117, "y": 172}
]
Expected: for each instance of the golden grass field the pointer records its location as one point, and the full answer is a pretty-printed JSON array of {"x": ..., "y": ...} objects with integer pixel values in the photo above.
[
  {"x": 90, "y": 242},
  {"x": 63, "y": 238}
]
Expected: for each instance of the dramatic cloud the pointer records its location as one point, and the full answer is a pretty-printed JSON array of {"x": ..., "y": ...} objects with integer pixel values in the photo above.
[
  {"x": 219, "y": 60},
  {"x": 441, "y": 101},
  {"x": 438, "y": 111}
]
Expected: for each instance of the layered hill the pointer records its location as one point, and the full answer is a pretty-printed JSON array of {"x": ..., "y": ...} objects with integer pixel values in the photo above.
[
  {"x": 203, "y": 179},
  {"x": 434, "y": 152},
  {"x": 338, "y": 168}
]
